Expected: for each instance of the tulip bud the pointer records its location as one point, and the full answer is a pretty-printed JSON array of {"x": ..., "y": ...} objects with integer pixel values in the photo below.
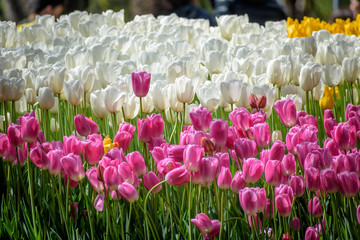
[
  {"x": 288, "y": 165},
  {"x": 349, "y": 183},
  {"x": 252, "y": 101},
  {"x": 249, "y": 200},
  {"x": 245, "y": 148},
  {"x": 273, "y": 172},
  {"x": 94, "y": 181},
  {"x": 314, "y": 207},
  {"x": 30, "y": 129},
  {"x": 252, "y": 170},
  {"x": 46, "y": 98},
  {"x": 261, "y": 134},
  {"x": 329, "y": 181},
  {"x": 55, "y": 164},
  {"x": 73, "y": 167},
  {"x": 209, "y": 169},
  {"x": 200, "y": 118},
  {"x": 74, "y": 92},
  {"x": 39, "y": 158},
  {"x": 224, "y": 179},
  {"x": 192, "y": 156},
  {"x": 219, "y": 131},
  {"x": 202, "y": 222},
  {"x": 312, "y": 179},
  {"x": 4, "y": 144},
  {"x": 99, "y": 202},
  {"x": 311, "y": 234},
  {"x": 178, "y": 176},
  {"x": 237, "y": 182},
  {"x": 136, "y": 162},
  {"x": 296, "y": 183},
  {"x": 14, "y": 135},
  {"x": 128, "y": 192},
  {"x": 150, "y": 180},
  {"x": 30, "y": 96},
  {"x": 283, "y": 205},
  {"x": 287, "y": 112},
  {"x": 140, "y": 83}
]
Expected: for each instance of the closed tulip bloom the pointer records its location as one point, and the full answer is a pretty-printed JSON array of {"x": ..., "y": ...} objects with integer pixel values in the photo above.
[
  {"x": 74, "y": 92},
  {"x": 4, "y": 144},
  {"x": 16, "y": 88},
  {"x": 345, "y": 136},
  {"x": 296, "y": 182},
  {"x": 30, "y": 96},
  {"x": 81, "y": 125},
  {"x": 224, "y": 178},
  {"x": 97, "y": 102},
  {"x": 55, "y": 164},
  {"x": 93, "y": 151},
  {"x": 287, "y": 112},
  {"x": 331, "y": 74},
  {"x": 209, "y": 169},
  {"x": 137, "y": 163},
  {"x": 14, "y": 135},
  {"x": 216, "y": 226},
  {"x": 219, "y": 131},
  {"x": 329, "y": 181},
  {"x": 72, "y": 144},
  {"x": 140, "y": 83},
  {"x": 240, "y": 117},
  {"x": 310, "y": 75},
  {"x": 159, "y": 95},
  {"x": 277, "y": 150},
  {"x": 203, "y": 223},
  {"x": 273, "y": 172},
  {"x": 288, "y": 165},
  {"x": 245, "y": 148},
  {"x": 329, "y": 124},
  {"x": 185, "y": 88},
  {"x": 318, "y": 158},
  {"x": 312, "y": 179},
  {"x": 237, "y": 182},
  {"x": 30, "y": 129},
  {"x": 249, "y": 200},
  {"x": 73, "y": 167},
  {"x": 283, "y": 205},
  {"x": 128, "y": 192},
  {"x": 351, "y": 162},
  {"x": 261, "y": 134},
  {"x": 166, "y": 165},
  {"x": 94, "y": 180},
  {"x": 303, "y": 149},
  {"x": 99, "y": 202},
  {"x": 311, "y": 234},
  {"x": 192, "y": 156},
  {"x": 295, "y": 224},
  {"x": 123, "y": 139},
  {"x": 252, "y": 170},
  {"x": 178, "y": 176},
  {"x": 349, "y": 183},
  {"x": 314, "y": 207},
  {"x": 46, "y": 98},
  {"x": 39, "y": 158},
  {"x": 114, "y": 99},
  {"x": 150, "y": 180},
  {"x": 56, "y": 78},
  {"x": 112, "y": 178},
  {"x": 126, "y": 173},
  {"x": 151, "y": 126},
  {"x": 201, "y": 118}
]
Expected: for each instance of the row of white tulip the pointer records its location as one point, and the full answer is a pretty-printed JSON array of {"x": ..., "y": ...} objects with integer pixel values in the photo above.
[{"x": 89, "y": 57}]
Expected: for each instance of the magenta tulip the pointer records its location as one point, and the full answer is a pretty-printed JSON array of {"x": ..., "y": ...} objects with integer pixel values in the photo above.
[
  {"x": 233, "y": 135},
  {"x": 329, "y": 181},
  {"x": 295, "y": 224},
  {"x": 99, "y": 202},
  {"x": 192, "y": 156},
  {"x": 245, "y": 148},
  {"x": 125, "y": 172},
  {"x": 94, "y": 180},
  {"x": 261, "y": 134},
  {"x": 128, "y": 192},
  {"x": 159, "y": 153},
  {"x": 237, "y": 182},
  {"x": 137, "y": 163},
  {"x": 283, "y": 205},
  {"x": 224, "y": 159},
  {"x": 209, "y": 169},
  {"x": 312, "y": 179},
  {"x": 166, "y": 165},
  {"x": 150, "y": 180},
  {"x": 14, "y": 135},
  {"x": 314, "y": 207},
  {"x": 345, "y": 136},
  {"x": 200, "y": 118},
  {"x": 261, "y": 198},
  {"x": 81, "y": 126},
  {"x": 273, "y": 172},
  {"x": 140, "y": 83},
  {"x": 287, "y": 111},
  {"x": 123, "y": 139},
  {"x": 72, "y": 144},
  {"x": 269, "y": 209},
  {"x": 224, "y": 178},
  {"x": 39, "y": 158},
  {"x": 219, "y": 131},
  {"x": 288, "y": 165},
  {"x": 55, "y": 164},
  {"x": 303, "y": 149},
  {"x": 151, "y": 126},
  {"x": 249, "y": 200},
  {"x": 216, "y": 226},
  {"x": 73, "y": 167},
  {"x": 92, "y": 151},
  {"x": 319, "y": 158},
  {"x": 240, "y": 117},
  {"x": 30, "y": 129},
  {"x": 203, "y": 223},
  {"x": 277, "y": 150},
  {"x": 112, "y": 178},
  {"x": 4, "y": 144},
  {"x": 176, "y": 152},
  {"x": 311, "y": 234},
  {"x": 252, "y": 170},
  {"x": 178, "y": 176},
  {"x": 298, "y": 135},
  {"x": 296, "y": 182},
  {"x": 349, "y": 183}
]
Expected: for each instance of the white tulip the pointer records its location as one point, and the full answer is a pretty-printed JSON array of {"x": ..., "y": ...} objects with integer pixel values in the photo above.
[
  {"x": 325, "y": 54},
  {"x": 56, "y": 78},
  {"x": 215, "y": 61},
  {"x": 131, "y": 107},
  {"x": 46, "y": 98},
  {"x": 276, "y": 135},
  {"x": 297, "y": 100},
  {"x": 350, "y": 69},
  {"x": 331, "y": 74},
  {"x": 74, "y": 92},
  {"x": 170, "y": 116},
  {"x": 230, "y": 24},
  {"x": 175, "y": 70},
  {"x": 20, "y": 106},
  {"x": 175, "y": 105},
  {"x": 318, "y": 91},
  {"x": 97, "y": 102},
  {"x": 11, "y": 89},
  {"x": 159, "y": 95},
  {"x": 230, "y": 91},
  {"x": 321, "y": 35},
  {"x": 209, "y": 96},
  {"x": 55, "y": 108},
  {"x": 54, "y": 125},
  {"x": 185, "y": 88},
  {"x": 293, "y": 89},
  {"x": 30, "y": 96},
  {"x": 114, "y": 99},
  {"x": 279, "y": 71},
  {"x": 189, "y": 108},
  {"x": 310, "y": 76},
  {"x": 86, "y": 74},
  {"x": 147, "y": 104},
  {"x": 244, "y": 96}
]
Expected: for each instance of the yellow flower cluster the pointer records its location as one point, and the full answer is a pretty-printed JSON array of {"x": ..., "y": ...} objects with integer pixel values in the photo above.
[
  {"x": 309, "y": 24},
  {"x": 107, "y": 142},
  {"x": 327, "y": 101}
]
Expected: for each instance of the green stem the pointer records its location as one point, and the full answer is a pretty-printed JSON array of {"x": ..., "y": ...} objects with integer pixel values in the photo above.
[
  {"x": 31, "y": 183},
  {"x": 13, "y": 112},
  {"x": 5, "y": 114},
  {"x": 171, "y": 219},
  {"x": 141, "y": 108},
  {"x": 222, "y": 214},
  {"x": 189, "y": 202},
  {"x": 183, "y": 119}
]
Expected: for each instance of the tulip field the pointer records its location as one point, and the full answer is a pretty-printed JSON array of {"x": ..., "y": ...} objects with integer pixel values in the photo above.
[{"x": 167, "y": 128}]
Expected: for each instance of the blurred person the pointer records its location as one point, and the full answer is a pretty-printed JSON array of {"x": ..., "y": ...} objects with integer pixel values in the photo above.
[
  {"x": 354, "y": 7},
  {"x": 42, "y": 7},
  {"x": 182, "y": 8},
  {"x": 258, "y": 11},
  {"x": 341, "y": 13}
]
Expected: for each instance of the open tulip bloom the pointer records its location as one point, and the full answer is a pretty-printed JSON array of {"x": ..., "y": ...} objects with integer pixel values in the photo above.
[{"x": 167, "y": 128}]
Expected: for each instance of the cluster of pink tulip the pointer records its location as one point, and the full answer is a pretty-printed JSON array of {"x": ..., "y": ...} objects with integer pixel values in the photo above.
[{"x": 272, "y": 181}]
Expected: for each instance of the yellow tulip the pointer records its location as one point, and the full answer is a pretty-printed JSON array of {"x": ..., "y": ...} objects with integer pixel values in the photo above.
[
  {"x": 327, "y": 100},
  {"x": 107, "y": 142}
]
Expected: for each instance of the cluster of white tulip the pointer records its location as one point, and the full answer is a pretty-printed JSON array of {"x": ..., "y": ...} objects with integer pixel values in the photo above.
[{"x": 88, "y": 58}]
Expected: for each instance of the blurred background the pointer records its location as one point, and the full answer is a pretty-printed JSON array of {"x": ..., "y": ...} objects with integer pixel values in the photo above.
[{"x": 259, "y": 10}]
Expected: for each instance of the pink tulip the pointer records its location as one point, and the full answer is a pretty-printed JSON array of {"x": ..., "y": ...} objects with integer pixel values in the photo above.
[
  {"x": 358, "y": 213},
  {"x": 150, "y": 180},
  {"x": 39, "y": 158},
  {"x": 303, "y": 149},
  {"x": 224, "y": 159},
  {"x": 219, "y": 131},
  {"x": 287, "y": 111},
  {"x": 94, "y": 180},
  {"x": 166, "y": 165},
  {"x": 128, "y": 192},
  {"x": 283, "y": 205},
  {"x": 178, "y": 176},
  {"x": 112, "y": 178},
  {"x": 318, "y": 158},
  {"x": 284, "y": 189},
  {"x": 351, "y": 162},
  {"x": 4, "y": 144},
  {"x": 262, "y": 198},
  {"x": 288, "y": 165},
  {"x": 295, "y": 224},
  {"x": 261, "y": 134},
  {"x": 73, "y": 167},
  {"x": 277, "y": 150},
  {"x": 269, "y": 209},
  {"x": 249, "y": 200},
  {"x": 352, "y": 111},
  {"x": 55, "y": 164},
  {"x": 311, "y": 234},
  {"x": 14, "y": 135},
  {"x": 140, "y": 83},
  {"x": 312, "y": 179},
  {"x": 30, "y": 129},
  {"x": 233, "y": 135},
  {"x": 197, "y": 179},
  {"x": 320, "y": 226},
  {"x": 338, "y": 163},
  {"x": 200, "y": 118},
  {"x": 245, "y": 148},
  {"x": 137, "y": 163},
  {"x": 314, "y": 207},
  {"x": 349, "y": 183},
  {"x": 123, "y": 139},
  {"x": 329, "y": 181},
  {"x": 203, "y": 223},
  {"x": 209, "y": 169},
  {"x": 99, "y": 202},
  {"x": 92, "y": 151},
  {"x": 224, "y": 179},
  {"x": 265, "y": 156},
  {"x": 72, "y": 144},
  {"x": 125, "y": 172},
  {"x": 257, "y": 117},
  {"x": 192, "y": 156},
  {"x": 159, "y": 153},
  {"x": 273, "y": 172},
  {"x": 296, "y": 182},
  {"x": 215, "y": 231},
  {"x": 116, "y": 155},
  {"x": 252, "y": 170},
  {"x": 176, "y": 152},
  {"x": 151, "y": 126},
  {"x": 81, "y": 125},
  {"x": 237, "y": 182},
  {"x": 306, "y": 120},
  {"x": 298, "y": 135},
  {"x": 240, "y": 117},
  {"x": 11, "y": 155},
  {"x": 345, "y": 136}
]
